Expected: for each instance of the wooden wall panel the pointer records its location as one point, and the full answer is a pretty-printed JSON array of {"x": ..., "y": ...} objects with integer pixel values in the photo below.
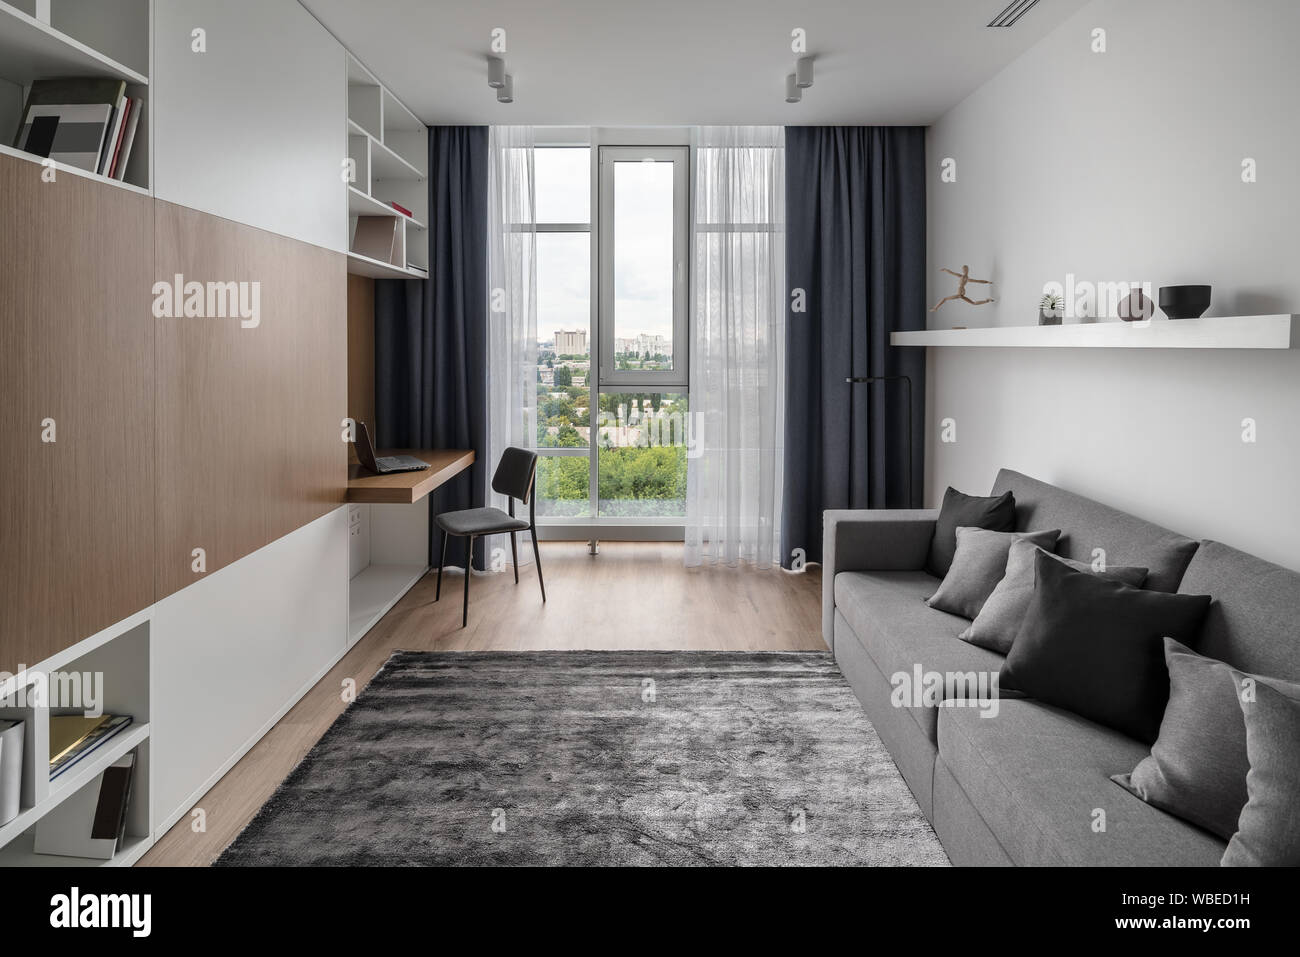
[
  {"x": 76, "y": 345},
  {"x": 361, "y": 353},
  {"x": 249, "y": 434}
]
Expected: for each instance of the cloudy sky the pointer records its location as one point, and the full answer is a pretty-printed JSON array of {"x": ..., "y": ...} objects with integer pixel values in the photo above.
[{"x": 643, "y": 218}]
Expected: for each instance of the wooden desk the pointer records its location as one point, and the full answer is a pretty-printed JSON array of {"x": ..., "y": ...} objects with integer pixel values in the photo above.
[{"x": 405, "y": 488}]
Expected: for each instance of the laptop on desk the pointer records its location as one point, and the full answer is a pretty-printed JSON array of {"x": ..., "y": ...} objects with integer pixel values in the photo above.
[{"x": 386, "y": 464}]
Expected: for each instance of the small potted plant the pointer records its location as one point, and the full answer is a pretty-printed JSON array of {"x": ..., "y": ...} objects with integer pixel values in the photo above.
[{"x": 1050, "y": 309}]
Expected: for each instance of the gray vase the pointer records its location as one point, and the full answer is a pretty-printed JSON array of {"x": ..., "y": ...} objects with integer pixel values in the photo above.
[{"x": 1045, "y": 320}]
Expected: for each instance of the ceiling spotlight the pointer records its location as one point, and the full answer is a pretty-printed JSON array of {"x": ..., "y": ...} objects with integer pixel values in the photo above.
[
  {"x": 792, "y": 92},
  {"x": 507, "y": 92},
  {"x": 803, "y": 72},
  {"x": 496, "y": 72}
]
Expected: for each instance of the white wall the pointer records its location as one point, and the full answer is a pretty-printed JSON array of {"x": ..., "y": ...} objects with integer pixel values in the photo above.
[
  {"x": 1126, "y": 166},
  {"x": 253, "y": 130},
  {"x": 235, "y": 650}
]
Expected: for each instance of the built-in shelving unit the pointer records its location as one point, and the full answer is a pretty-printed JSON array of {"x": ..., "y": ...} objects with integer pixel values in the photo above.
[
  {"x": 388, "y": 149},
  {"x": 116, "y": 663},
  {"x": 1217, "y": 332},
  {"x": 50, "y": 39}
]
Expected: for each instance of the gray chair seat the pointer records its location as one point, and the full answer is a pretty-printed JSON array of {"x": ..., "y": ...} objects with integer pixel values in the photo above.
[
  {"x": 480, "y": 521},
  {"x": 1037, "y": 774}
]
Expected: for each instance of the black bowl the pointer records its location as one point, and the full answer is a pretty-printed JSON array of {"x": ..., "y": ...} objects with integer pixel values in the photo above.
[{"x": 1184, "y": 302}]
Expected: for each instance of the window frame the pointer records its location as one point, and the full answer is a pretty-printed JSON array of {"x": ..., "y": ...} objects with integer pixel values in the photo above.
[{"x": 610, "y": 378}]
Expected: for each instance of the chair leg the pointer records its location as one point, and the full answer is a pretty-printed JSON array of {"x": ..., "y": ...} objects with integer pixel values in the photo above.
[
  {"x": 514, "y": 556},
  {"x": 442, "y": 561},
  {"x": 537, "y": 559},
  {"x": 469, "y": 561}
]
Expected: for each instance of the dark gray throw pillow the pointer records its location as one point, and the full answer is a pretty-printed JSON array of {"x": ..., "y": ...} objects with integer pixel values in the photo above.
[
  {"x": 1197, "y": 767},
  {"x": 997, "y": 513},
  {"x": 979, "y": 564},
  {"x": 1268, "y": 831},
  {"x": 999, "y": 619},
  {"x": 1096, "y": 647}
]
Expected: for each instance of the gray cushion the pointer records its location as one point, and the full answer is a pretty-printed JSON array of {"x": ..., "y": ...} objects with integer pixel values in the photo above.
[
  {"x": 1087, "y": 525},
  {"x": 479, "y": 521},
  {"x": 977, "y": 567},
  {"x": 888, "y": 614},
  {"x": 1038, "y": 774},
  {"x": 999, "y": 619},
  {"x": 1096, "y": 647},
  {"x": 996, "y": 513},
  {"x": 1252, "y": 623},
  {"x": 1269, "y": 829},
  {"x": 1197, "y": 767}
]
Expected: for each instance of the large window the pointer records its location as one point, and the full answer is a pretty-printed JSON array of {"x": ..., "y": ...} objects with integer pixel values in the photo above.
[
  {"x": 562, "y": 177},
  {"x": 643, "y": 240},
  {"x": 612, "y": 409}
]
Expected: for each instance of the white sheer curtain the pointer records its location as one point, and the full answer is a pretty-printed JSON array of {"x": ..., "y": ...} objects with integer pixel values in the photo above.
[
  {"x": 737, "y": 396},
  {"x": 512, "y": 310}
]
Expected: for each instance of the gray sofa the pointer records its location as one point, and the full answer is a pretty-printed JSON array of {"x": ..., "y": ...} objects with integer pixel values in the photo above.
[{"x": 1023, "y": 787}]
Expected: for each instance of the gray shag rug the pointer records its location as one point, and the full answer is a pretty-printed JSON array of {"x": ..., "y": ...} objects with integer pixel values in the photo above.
[{"x": 596, "y": 758}]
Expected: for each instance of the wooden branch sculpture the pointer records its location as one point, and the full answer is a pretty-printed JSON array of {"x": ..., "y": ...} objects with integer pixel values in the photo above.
[{"x": 963, "y": 278}]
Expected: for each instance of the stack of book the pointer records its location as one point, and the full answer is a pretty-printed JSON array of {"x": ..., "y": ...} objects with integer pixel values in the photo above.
[
  {"x": 73, "y": 737},
  {"x": 82, "y": 122}
]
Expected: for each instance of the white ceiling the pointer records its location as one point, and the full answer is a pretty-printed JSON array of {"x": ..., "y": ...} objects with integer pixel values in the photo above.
[{"x": 684, "y": 62}]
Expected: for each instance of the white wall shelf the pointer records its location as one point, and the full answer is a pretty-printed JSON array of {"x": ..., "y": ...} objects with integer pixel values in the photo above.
[
  {"x": 33, "y": 50},
  {"x": 360, "y": 204},
  {"x": 51, "y": 39},
  {"x": 1217, "y": 332},
  {"x": 388, "y": 145},
  {"x": 60, "y": 168},
  {"x": 375, "y": 590},
  {"x": 121, "y": 657},
  {"x": 360, "y": 265}
]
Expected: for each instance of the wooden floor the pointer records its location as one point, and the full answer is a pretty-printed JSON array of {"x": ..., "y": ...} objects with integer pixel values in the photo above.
[{"x": 632, "y": 595}]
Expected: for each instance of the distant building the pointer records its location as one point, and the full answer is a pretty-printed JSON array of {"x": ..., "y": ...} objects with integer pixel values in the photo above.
[
  {"x": 571, "y": 342},
  {"x": 640, "y": 345}
]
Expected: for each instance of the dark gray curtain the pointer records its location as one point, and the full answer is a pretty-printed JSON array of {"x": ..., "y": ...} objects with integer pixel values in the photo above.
[
  {"x": 855, "y": 243},
  {"x": 431, "y": 334}
]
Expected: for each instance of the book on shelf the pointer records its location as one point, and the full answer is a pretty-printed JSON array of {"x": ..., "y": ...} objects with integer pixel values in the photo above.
[
  {"x": 113, "y": 150},
  {"x": 92, "y": 822},
  {"x": 72, "y": 120},
  {"x": 128, "y": 138},
  {"x": 112, "y": 135},
  {"x": 11, "y": 768},
  {"x": 377, "y": 238},
  {"x": 72, "y": 134},
  {"x": 401, "y": 209},
  {"x": 73, "y": 737}
]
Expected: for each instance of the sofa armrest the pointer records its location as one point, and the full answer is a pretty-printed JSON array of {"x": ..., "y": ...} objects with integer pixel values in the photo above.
[{"x": 894, "y": 539}]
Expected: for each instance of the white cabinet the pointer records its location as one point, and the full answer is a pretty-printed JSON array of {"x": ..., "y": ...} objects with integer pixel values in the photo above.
[{"x": 248, "y": 128}]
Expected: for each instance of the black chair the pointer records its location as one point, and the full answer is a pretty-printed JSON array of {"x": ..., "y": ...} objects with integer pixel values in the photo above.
[{"x": 515, "y": 477}]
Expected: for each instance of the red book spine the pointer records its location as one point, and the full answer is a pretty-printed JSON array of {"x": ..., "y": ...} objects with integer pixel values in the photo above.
[
  {"x": 402, "y": 209},
  {"x": 130, "y": 106}
]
